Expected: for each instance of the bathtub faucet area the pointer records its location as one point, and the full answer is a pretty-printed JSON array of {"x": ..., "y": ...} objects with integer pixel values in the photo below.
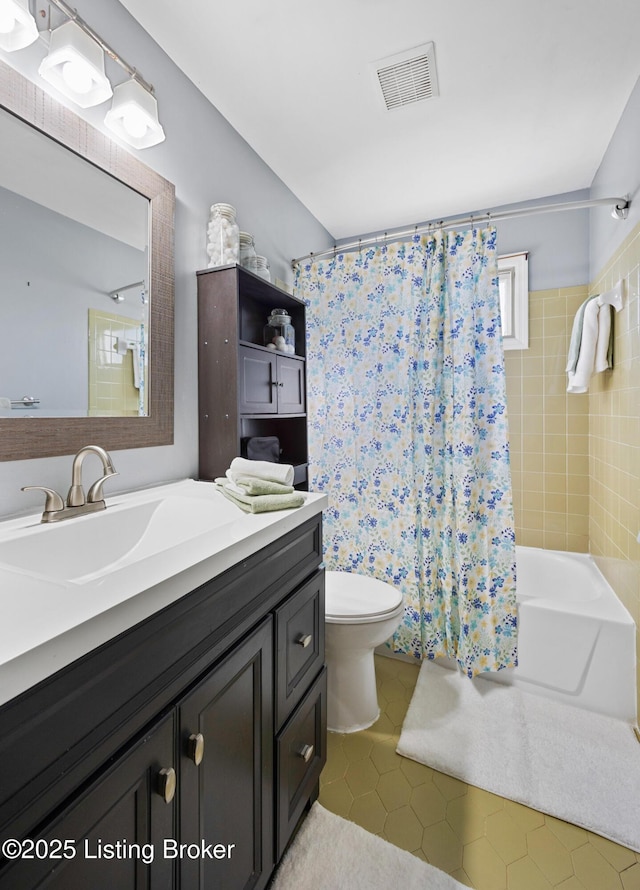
[{"x": 55, "y": 509}]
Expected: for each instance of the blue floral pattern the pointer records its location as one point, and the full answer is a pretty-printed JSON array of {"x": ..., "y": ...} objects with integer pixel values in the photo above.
[{"x": 408, "y": 437}]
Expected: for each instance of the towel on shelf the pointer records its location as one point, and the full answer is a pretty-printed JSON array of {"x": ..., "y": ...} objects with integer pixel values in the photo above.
[
  {"x": 260, "y": 503},
  {"x": 261, "y": 469},
  {"x": 590, "y": 345}
]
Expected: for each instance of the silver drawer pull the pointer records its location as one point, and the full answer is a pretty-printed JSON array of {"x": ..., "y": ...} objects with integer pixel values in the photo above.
[
  {"x": 304, "y": 641},
  {"x": 306, "y": 752}
]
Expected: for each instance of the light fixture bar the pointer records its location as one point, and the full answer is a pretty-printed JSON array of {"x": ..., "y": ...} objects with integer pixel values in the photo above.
[{"x": 73, "y": 15}]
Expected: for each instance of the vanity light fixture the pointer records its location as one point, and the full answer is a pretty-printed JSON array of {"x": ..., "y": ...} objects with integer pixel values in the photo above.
[
  {"x": 134, "y": 115},
  {"x": 17, "y": 26},
  {"x": 74, "y": 65}
]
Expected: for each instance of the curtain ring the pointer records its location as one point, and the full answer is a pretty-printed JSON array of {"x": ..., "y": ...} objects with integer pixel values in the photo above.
[{"x": 360, "y": 246}]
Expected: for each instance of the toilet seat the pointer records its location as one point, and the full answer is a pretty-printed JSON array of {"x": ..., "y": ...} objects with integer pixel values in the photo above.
[{"x": 356, "y": 599}]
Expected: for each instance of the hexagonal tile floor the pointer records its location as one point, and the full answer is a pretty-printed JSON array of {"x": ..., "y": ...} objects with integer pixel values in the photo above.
[{"x": 483, "y": 840}]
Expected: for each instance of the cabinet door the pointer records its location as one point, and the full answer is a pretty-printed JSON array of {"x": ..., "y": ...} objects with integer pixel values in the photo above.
[
  {"x": 291, "y": 385},
  {"x": 257, "y": 384},
  {"x": 226, "y": 770},
  {"x": 115, "y": 830}
]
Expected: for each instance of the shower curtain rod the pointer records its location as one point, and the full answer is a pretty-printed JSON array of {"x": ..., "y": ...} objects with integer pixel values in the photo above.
[{"x": 620, "y": 211}]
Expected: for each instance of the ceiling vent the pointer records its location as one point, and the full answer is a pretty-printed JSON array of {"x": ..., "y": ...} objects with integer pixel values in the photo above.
[{"x": 407, "y": 77}]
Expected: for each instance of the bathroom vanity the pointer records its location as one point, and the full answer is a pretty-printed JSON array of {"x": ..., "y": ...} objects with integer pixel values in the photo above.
[{"x": 174, "y": 735}]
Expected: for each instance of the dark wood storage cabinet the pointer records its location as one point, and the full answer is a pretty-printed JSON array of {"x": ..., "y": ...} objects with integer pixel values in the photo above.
[
  {"x": 183, "y": 753},
  {"x": 244, "y": 388}
]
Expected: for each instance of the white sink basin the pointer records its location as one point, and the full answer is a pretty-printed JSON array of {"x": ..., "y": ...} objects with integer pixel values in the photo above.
[
  {"x": 68, "y": 587},
  {"x": 85, "y": 548}
]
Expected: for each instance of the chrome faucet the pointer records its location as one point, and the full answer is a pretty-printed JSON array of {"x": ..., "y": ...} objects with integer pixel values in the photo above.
[{"x": 55, "y": 509}]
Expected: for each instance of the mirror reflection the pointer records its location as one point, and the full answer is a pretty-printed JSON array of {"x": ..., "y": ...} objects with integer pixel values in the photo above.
[{"x": 74, "y": 283}]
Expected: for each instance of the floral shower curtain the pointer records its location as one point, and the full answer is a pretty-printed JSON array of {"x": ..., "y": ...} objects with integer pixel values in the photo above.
[{"x": 408, "y": 437}]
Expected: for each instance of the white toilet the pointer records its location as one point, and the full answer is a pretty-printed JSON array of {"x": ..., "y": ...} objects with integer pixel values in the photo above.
[{"x": 361, "y": 613}]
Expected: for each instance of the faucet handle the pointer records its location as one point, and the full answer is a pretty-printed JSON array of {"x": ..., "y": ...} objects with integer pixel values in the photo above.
[
  {"x": 95, "y": 492},
  {"x": 53, "y": 502}
]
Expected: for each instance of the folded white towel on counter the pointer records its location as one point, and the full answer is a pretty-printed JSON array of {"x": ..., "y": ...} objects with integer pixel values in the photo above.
[
  {"x": 261, "y": 503},
  {"x": 260, "y": 469},
  {"x": 253, "y": 485},
  {"x": 590, "y": 347}
]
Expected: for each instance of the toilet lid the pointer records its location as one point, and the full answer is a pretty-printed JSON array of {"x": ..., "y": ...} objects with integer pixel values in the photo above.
[{"x": 348, "y": 595}]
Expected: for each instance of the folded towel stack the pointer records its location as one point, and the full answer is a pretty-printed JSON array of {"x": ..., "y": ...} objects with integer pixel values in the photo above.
[
  {"x": 590, "y": 349},
  {"x": 258, "y": 486}
]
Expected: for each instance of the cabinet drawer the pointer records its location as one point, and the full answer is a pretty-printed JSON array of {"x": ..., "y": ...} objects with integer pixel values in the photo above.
[
  {"x": 301, "y": 754},
  {"x": 299, "y": 644}
]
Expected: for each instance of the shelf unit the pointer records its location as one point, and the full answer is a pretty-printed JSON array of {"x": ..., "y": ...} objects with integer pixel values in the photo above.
[{"x": 244, "y": 388}]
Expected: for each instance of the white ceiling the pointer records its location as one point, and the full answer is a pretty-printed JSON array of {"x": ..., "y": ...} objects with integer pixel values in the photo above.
[{"x": 530, "y": 94}]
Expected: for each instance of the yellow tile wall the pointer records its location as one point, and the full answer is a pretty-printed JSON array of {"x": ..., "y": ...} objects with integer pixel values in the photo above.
[
  {"x": 614, "y": 439},
  {"x": 111, "y": 389},
  {"x": 549, "y": 429},
  {"x": 575, "y": 458}
]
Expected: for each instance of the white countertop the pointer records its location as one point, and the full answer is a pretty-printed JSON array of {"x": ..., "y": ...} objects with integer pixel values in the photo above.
[{"x": 47, "y": 624}]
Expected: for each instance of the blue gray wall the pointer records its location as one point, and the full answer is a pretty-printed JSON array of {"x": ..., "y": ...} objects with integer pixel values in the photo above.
[
  {"x": 618, "y": 175},
  {"x": 557, "y": 243},
  {"x": 208, "y": 162}
]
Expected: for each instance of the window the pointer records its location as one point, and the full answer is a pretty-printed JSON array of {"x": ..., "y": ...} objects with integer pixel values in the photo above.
[{"x": 513, "y": 280}]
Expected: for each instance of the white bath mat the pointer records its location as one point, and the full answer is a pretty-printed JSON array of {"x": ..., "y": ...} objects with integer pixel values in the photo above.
[
  {"x": 582, "y": 767},
  {"x": 330, "y": 853}
]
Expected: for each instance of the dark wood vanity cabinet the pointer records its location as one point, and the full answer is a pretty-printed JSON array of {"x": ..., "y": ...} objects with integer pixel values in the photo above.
[
  {"x": 87, "y": 843},
  {"x": 244, "y": 388},
  {"x": 196, "y": 740}
]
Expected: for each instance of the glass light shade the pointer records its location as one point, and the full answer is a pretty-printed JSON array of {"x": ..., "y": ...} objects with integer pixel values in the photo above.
[
  {"x": 134, "y": 115},
  {"x": 17, "y": 25},
  {"x": 74, "y": 65}
]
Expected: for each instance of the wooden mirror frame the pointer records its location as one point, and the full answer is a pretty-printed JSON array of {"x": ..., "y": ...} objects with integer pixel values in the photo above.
[{"x": 22, "y": 438}]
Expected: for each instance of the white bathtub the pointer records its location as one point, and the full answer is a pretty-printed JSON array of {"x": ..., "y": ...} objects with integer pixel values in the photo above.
[{"x": 576, "y": 641}]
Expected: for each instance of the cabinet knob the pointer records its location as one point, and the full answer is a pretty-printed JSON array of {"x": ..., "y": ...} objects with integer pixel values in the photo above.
[
  {"x": 196, "y": 747},
  {"x": 306, "y": 752},
  {"x": 304, "y": 640},
  {"x": 167, "y": 784}
]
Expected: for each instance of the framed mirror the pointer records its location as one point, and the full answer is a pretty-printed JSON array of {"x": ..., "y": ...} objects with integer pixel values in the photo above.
[{"x": 89, "y": 275}]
